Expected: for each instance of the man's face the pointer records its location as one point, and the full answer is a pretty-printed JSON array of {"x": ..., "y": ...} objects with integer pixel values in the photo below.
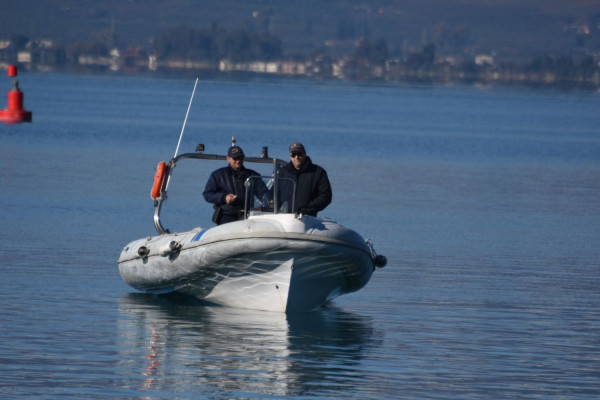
[
  {"x": 235, "y": 163},
  {"x": 298, "y": 159}
]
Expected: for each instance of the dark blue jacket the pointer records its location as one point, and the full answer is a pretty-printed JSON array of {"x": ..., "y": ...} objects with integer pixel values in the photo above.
[
  {"x": 313, "y": 190},
  {"x": 224, "y": 181}
]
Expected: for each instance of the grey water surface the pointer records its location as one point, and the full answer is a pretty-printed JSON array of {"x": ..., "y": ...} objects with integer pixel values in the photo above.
[{"x": 485, "y": 200}]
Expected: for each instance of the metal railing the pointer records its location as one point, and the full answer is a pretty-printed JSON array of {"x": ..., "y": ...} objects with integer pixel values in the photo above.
[{"x": 277, "y": 163}]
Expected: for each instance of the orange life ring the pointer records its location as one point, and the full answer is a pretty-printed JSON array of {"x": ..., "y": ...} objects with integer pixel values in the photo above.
[{"x": 159, "y": 177}]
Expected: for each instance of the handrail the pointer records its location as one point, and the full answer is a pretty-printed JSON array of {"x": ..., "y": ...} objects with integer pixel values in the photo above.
[
  {"x": 262, "y": 160},
  {"x": 171, "y": 165}
]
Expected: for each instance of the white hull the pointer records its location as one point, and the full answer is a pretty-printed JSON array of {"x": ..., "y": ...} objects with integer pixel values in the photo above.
[{"x": 274, "y": 262}]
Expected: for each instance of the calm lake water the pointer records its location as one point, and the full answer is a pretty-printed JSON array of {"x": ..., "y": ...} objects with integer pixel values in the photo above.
[{"x": 486, "y": 202}]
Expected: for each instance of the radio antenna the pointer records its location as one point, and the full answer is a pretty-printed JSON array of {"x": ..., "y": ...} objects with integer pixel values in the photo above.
[{"x": 186, "y": 117}]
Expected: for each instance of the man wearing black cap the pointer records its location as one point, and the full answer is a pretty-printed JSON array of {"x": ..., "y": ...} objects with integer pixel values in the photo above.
[
  {"x": 225, "y": 187},
  {"x": 313, "y": 190}
]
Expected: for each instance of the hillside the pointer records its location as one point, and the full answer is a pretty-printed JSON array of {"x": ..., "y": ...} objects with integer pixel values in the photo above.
[{"x": 512, "y": 29}]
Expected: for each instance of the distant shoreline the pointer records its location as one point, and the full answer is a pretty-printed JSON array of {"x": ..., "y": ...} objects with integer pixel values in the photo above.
[{"x": 486, "y": 77}]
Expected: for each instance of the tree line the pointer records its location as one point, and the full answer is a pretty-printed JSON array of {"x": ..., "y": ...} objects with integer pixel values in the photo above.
[
  {"x": 182, "y": 42},
  {"x": 216, "y": 44}
]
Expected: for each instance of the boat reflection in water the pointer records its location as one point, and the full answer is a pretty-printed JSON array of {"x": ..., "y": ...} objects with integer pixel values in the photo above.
[{"x": 174, "y": 344}]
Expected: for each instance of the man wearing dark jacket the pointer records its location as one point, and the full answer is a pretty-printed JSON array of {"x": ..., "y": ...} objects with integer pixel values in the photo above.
[
  {"x": 313, "y": 190},
  {"x": 225, "y": 187}
]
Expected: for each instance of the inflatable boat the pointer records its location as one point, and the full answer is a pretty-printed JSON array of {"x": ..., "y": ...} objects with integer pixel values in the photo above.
[{"x": 271, "y": 259}]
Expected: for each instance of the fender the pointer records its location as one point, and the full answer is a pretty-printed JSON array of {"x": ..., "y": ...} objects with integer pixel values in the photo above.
[{"x": 159, "y": 177}]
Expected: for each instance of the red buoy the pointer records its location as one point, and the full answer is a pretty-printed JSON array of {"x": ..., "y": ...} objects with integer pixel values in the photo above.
[
  {"x": 14, "y": 113},
  {"x": 11, "y": 70}
]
